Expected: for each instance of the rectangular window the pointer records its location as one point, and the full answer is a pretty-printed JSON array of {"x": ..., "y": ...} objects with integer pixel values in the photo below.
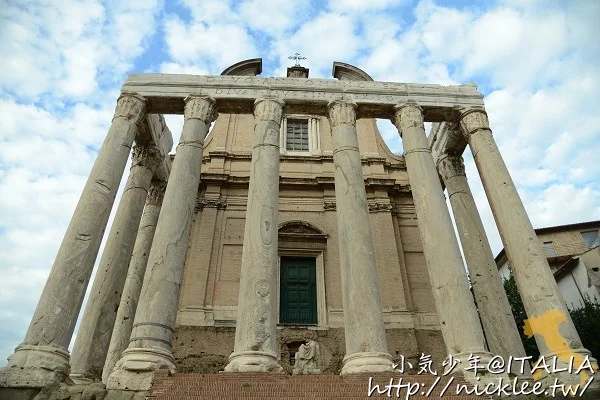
[
  {"x": 296, "y": 138},
  {"x": 298, "y": 291},
  {"x": 549, "y": 249},
  {"x": 591, "y": 238}
]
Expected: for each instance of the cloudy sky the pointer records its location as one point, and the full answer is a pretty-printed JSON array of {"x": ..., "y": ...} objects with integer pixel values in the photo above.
[{"x": 536, "y": 62}]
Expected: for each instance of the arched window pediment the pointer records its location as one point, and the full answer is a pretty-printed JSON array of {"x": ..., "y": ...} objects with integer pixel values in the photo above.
[{"x": 304, "y": 229}]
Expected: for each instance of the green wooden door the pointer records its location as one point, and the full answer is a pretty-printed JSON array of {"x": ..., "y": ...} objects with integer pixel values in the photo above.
[{"x": 298, "y": 292}]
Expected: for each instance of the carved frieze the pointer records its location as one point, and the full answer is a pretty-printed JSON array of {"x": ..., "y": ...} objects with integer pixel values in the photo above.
[
  {"x": 341, "y": 112},
  {"x": 202, "y": 203},
  {"x": 329, "y": 205},
  {"x": 200, "y": 107},
  {"x": 380, "y": 207},
  {"x": 131, "y": 106}
]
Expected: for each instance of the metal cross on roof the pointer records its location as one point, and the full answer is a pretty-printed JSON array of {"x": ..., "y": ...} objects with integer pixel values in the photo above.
[{"x": 297, "y": 58}]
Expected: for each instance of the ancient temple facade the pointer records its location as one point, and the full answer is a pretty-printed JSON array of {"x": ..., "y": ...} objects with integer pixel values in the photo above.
[{"x": 284, "y": 227}]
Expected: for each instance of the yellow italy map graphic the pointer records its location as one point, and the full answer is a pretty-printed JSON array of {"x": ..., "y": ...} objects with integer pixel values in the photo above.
[{"x": 547, "y": 325}]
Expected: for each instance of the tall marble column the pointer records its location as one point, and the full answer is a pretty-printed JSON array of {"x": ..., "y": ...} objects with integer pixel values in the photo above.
[
  {"x": 135, "y": 277},
  {"x": 459, "y": 321},
  {"x": 549, "y": 318},
  {"x": 150, "y": 342},
  {"x": 43, "y": 356},
  {"x": 97, "y": 322},
  {"x": 494, "y": 310},
  {"x": 366, "y": 344},
  {"x": 255, "y": 334}
]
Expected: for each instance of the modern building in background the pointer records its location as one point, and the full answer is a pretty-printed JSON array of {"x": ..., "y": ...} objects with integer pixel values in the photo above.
[{"x": 573, "y": 253}]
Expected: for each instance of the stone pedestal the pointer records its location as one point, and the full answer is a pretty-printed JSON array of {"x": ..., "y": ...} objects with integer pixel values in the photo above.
[
  {"x": 494, "y": 310},
  {"x": 255, "y": 335},
  {"x": 150, "y": 343},
  {"x": 135, "y": 277},
  {"x": 97, "y": 322},
  {"x": 366, "y": 345},
  {"x": 42, "y": 357},
  {"x": 549, "y": 319},
  {"x": 459, "y": 321}
]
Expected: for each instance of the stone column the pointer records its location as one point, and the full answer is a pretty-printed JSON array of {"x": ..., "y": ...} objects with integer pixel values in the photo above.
[
  {"x": 43, "y": 356},
  {"x": 150, "y": 343},
  {"x": 549, "y": 318},
  {"x": 366, "y": 344},
  {"x": 459, "y": 321},
  {"x": 255, "y": 334},
  {"x": 494, "y": 310},
  {"x": 135, "y": 277},
  {"x": 97, "y": 322}
]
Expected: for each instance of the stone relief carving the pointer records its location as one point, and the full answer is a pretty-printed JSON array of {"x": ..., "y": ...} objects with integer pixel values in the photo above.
[
  {"x": 146, "y": 155},
  {"x": 342, "y": 112},
  {"x": 130, "y": 105},
  {"x": 202, "y": 203},
  {"x": 450, "y": 166},
  {"x": 380, "y": 207},
  {"x": 307, "y": 359},
  {"x": 200, "y": 107},
  {"x": 329, "y": 205},
  {"x": 472, "y": 120}
]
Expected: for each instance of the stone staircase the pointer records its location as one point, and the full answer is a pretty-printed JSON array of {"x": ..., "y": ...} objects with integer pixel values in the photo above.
[{"x": 194, "y": 386}]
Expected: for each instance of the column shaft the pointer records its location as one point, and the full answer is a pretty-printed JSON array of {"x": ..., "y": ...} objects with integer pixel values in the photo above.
[
  {"x": 135, "y": 277},
  {"x": 44, "y": 349},
  {"x": 459, "y": 321},
  {"x": 366, "y": 344},
  {"x": 494, "y": 309},
  {"x": 548, "y": 314},
  {"x": 97, "y": 322},
  {"x": 255, "y": 335},
  {"x": 150, "y": 343}
]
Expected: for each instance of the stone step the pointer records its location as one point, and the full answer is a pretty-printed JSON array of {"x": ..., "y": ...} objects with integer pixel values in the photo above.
[{"x": 180, "y": 386}]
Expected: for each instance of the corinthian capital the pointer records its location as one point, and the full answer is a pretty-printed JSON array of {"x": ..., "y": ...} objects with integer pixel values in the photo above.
[
  {"x": 156, "y": 193},
  {"x": 408, "y": 115},
  {"x": 450, "y": 166},
  {"x": 268, "y": 109},
  {"x": 473, "y": 119},
  {"x": 341, "y": 112},
  {"x": 147, "y": 156},
  {"x": 131, "y": 106},
  {"x": 200, "y": 107}
]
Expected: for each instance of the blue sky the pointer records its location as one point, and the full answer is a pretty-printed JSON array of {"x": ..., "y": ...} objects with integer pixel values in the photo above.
[{"x": 536, "y": 62}]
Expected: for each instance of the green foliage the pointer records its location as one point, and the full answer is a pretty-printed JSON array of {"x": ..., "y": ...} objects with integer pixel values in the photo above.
[
  {"x": 587, "y": 322},
  {"x": 585, "y": 319}
]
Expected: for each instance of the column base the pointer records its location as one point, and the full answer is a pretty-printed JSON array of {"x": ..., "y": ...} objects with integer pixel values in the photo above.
[
  {"x": 80, "y": 379},
  {"x": 482, "y": 376},
  {"x": 135, "y": 370},
  {"x": 35, "y": 367},
  {"x": 562, "y": 360},
  {"x": 253, "y": 361},
  {"x": 357, "y": 363}
]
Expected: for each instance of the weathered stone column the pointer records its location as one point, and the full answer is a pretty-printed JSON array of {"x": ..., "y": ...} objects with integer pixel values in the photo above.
[
  {"x": 255, "y": 334},
  {"x": 43, "y": 356},
  {"x": 150, "y": 343},
  {"x": 135, "y": 277},
  {"x": 96, "y": 326},
  {"x": 549, "y": 319},
  {"x": 366, "y": 344},
  {"x": 494, "y": 310},
  {"x": 459, "y": 321}
]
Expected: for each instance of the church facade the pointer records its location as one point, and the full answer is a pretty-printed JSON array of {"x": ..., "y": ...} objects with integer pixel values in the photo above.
[{"x": 309, "y": 298}]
